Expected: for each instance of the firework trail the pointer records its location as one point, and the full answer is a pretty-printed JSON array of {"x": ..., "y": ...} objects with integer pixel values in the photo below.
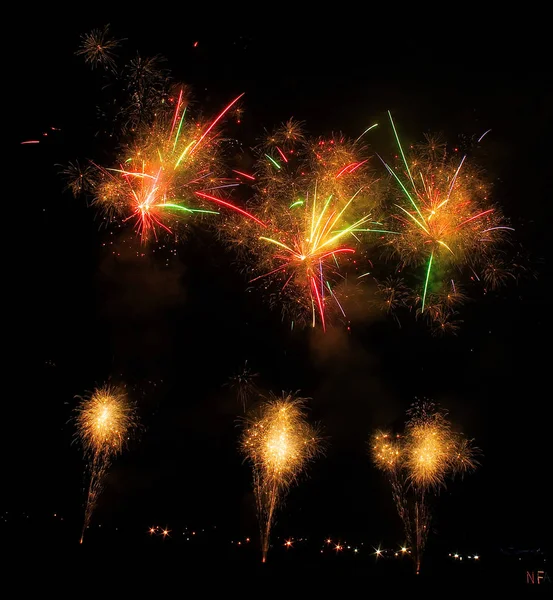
[
  {"x": 315, "y": 199},
  {"x": 171, "y": 171},
  {"x": 443, "y": 215},
  {"x": 418, "y": 464},
  {"x": 279, "y": 442},
  {"x": 105, "y": 419}
]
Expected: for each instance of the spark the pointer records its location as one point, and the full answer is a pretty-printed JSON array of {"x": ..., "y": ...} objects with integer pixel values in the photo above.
[
  {"x": 427, "y": 278},
  {"x": 273, "y": 161},
  {"x": 244, "y": 175},
  {"x": 366, "y": 131},
  {"x": 484, "y": 134},
  {"x": 232, "y": 207}
]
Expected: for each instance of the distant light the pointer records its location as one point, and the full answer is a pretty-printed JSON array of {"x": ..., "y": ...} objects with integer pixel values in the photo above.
[
  {"x": 195, "y": 45},
  {"x": 476, "y": 557},
  {"x": 31, "y": 142}
]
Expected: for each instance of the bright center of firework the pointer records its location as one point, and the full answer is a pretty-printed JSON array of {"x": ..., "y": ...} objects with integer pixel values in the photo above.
[
  {"x": 103, "y": 418},
  {"x": 428, "y": 453},
  {"x": 278, "y": 449}
]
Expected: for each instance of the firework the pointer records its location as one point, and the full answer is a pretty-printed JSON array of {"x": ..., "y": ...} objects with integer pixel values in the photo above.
[
  {"x": 105, "y": 420},
  {"x": 171, "y": 171},
  {"x": 279, "y": 442},
  {"x": 391, "y": 295},
  {"x": 145, "y": 88},
  {"x": 78, "y": 179},
  {"x": 418, "y": 464},
  {"x": 98, "y": 48},
  {"x": 315, "y": 200},
  {"x": 443, "y": 214},
  {"x": 244, "y": 385}
]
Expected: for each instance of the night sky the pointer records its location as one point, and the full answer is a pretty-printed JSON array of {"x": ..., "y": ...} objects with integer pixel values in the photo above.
[{"x": 175, "y": 324}]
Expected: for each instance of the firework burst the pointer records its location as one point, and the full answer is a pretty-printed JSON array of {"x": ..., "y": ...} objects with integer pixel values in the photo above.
[
  {"x": 279, "y": 442},
  {"x": 171, "y": 171},
  {"x": 316, "y": 201},
  {"x": 79, "y": 179},
  {"x": 418, "y": 464},
  {"x": 98, "y": 48},
  {"x": 243, "y": 383},
  {"x": 105, "y": 419},
  {"x": 443, "y": 214}
]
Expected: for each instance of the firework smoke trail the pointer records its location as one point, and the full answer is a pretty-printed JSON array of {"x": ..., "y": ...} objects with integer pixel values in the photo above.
[
  {"x": 105, "y": 419},
  {"x": 418, "y": 464},
  {"x": 170, "y": 162},
  {"x": 446, "y": 220},
  {"x": 279, "y": 442}
]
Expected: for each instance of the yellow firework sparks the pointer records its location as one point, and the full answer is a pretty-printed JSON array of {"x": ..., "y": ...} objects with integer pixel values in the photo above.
[
  {"x": 387, "y": 451},
  {"x": 279, "y": 442},
  {"x": 419, "y": 463},
  {"x": 433, "y": 450},
  {"x": 105, "y": 420}
]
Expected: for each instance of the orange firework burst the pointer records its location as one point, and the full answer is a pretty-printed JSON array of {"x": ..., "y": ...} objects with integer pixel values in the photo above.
[
  {"x": 279, "y": 442},
  {"x": 316, "y": 201},
  {"x": 419, "y": 463},
  {"x": 444, "y": 214},
  {"x": 170, "y": 171},
  {"x": 105, "y": 420}
]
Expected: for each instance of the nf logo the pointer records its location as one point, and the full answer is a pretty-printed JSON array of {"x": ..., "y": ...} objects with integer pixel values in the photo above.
[{"x": 537, "y": 577}]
